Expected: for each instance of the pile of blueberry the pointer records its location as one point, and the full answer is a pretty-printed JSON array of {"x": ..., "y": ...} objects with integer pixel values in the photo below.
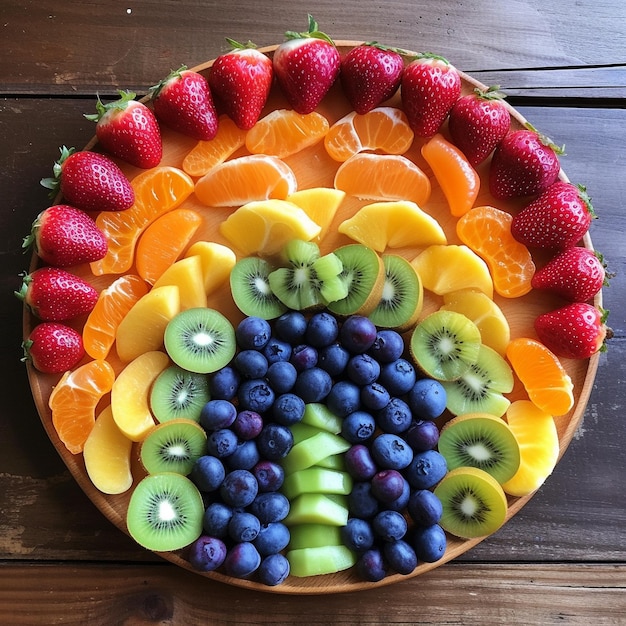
[{"x": 387, "y": 411}]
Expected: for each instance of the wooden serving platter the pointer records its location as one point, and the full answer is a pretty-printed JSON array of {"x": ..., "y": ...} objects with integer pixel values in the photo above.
[{"x": 313, "y": 168}]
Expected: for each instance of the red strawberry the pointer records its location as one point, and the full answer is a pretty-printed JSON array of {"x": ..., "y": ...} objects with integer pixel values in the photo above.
[
  {"x": 241, "y": 81},
  {"x": 306, "y": 66},
  {"x": 478, "y": 122},
  {"x": 525, "y": 163},
  {"x": 430, "y": 86},
  {"x": 183, "y": 101},
  {"x": 90, "y": 181},
  {"x": 575, "y": 331},
  {"x": 557, "y": 219},
  {"x": 577, "y": 274},
  {"x": 63, "y": 236},
  {"x": 54, "y": 295},
  {"x": 129, "y": 130},
  {"x": 53, "y": 348},
  {"x": 370, "y": 74}
]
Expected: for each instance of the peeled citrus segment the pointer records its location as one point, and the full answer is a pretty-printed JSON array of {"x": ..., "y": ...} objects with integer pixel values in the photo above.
[
  {"x": 246, "y": 179},
  {"x": 546, "y": 381},
  {"x": 458, "y": 180},
  {"x": 265, "y": 227},
  {"x": 113, "y": 304},
  {"x": 186, "y": 274},
  {"x": 284, "y": 132},
  {"x": 157, "y": 191},
  {"x": 487, "y": 231},
  {"x": 74, "y": 399},
  {"x": 383, "y": 177},
  {"x": 383, "y": 128},
  {"x": 393, "y": 224},
  {"x": 217, "y": 260},
  {"x": 438, "y": 267},
  {"x": 538, "y": 440},
  {"x": 164, "y": 241},
  {"x": 205, "y": 155},
  {"x": 320, "y": 204}
]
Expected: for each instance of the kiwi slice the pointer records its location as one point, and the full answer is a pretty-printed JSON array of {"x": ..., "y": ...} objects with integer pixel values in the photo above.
[
  {"x": 178, "y": 393},
  {"x": 474, "y": 504},
  {"x": 250, "y": 288},
  {"x": 480, "y": 389},
  {"x": 364, "y": 276},
  {"x": 200, "y": 340},
  {"x": 445, "y": 344},
  {"x": 402, "y": 296},
  {"x": 165, "y": 512},
  {"x": 483, "y": 441},
  {"x": 173, "y": 446}
]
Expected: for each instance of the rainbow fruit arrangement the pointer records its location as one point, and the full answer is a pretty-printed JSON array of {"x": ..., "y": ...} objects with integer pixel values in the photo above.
[{"x": 297, "y": 379}]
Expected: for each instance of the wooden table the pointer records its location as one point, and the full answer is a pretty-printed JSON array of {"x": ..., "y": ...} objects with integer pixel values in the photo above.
[{"x": 562, "y": 558}]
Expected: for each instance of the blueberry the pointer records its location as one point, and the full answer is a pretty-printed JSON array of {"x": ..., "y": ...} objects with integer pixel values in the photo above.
[
  {"x": 387, "y": 485},
  {"x": 357, "y": 334},
  {"x": 207, "y": 553},
  {"x": 313, "y": 385},
  {"x": 255, "y": 395},
  {"x": 371, "y": 565},
  {"x": 359, "y": 463},
  {"x": 217, "y": 414},
  {"x": 303, "y": 357},
  {"x": 344, "y": 398},
  {"x": 429, "y": 543},
  {"x": 253, "y": 333},
  {"x": 395, "y": 417},
  {"x": 239, "y": 488},
  {"x": 426, "y": 469},
  {"x": 424, "y": 507},
  {"x": 361, "y": 501},
  {"x": 247, "y": 424},
  {"x": 362, "y": 369},
  {"x": 401, "y": 502},
  {"x": 357, "y": 534},
  {"x": 427, "y": 399},
  {"x": 270, "y": 507},
  {"x": 400, "y": 556},
  {"x": 224, "y": 383},
  {"x": 273, "y": 570},
  {"x": 245, "y": 456},
  {"x": 388, "y": 346},
  {"x": 274, "y": 441},
  {"x": 390, "y": 525},
  {"x": 272, "y": 538},
  {"x": 358, "y": 427},
  {"x": 281, "y": 376},
  {"x": 288, "y": 409},
  {"x": 398, "y": 377},
  {"x": 243, "y": 526},
  {"x": 269, "y": 475},
  {"x": 276, "y": 350},
  {"x": 374, "y": 396},
  {"x": 422, "y": 435},
  {"x": 322, "y": 329},
  {"x": 333, "y": 359},
  {"x": 221, "y": 443},
  {"x": 242, "y": 560},
  {"x": 290, "y": 327},
  {"x": 216, "y": 518},
  {"x": 391, "y": 451},
  {"x": 250, "y": 364},
  {"x": 208, "y": 473}
]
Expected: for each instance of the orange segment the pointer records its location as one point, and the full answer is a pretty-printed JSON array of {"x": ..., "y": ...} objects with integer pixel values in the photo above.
[
  {"x": 487, "y": 231},
  {"x": 246, "y": 179},
  {"x": 383, "y": 177},
  {"x": 458, "y": 180},
  {"x": 112, "y": 306},
  {"x": 164, "y": 241},
  {"x": 384, "y": 128},
  {"x": 157, "y": 191},
  {"x": 207, "y": 154},
  {"x": 74, "y": 399},
  {"x": 284, "y": 132},
  {"x": 547, "y": 383}
]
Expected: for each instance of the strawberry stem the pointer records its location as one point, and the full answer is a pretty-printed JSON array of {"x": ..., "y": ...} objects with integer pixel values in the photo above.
[
  {"x": 155, "y": 90},
  {"x": 54, "y": 183},
  {"x": 546, "y": 141},
  {"x": 491, "y": 93},
  {"x": 120, "y": 104},
  {"x": 313, "y": 32},
  {"x": 236, "y": 45}
]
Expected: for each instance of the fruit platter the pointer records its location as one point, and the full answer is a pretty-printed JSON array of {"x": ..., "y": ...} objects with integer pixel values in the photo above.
[{"x": 318, "y": 330}]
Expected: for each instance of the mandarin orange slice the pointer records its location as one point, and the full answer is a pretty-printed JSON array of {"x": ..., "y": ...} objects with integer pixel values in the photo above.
[{"x": 74, "y": 399}]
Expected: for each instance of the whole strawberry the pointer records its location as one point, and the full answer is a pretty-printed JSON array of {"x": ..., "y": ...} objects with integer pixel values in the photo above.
[
  {"x": 575, "y": 331},
  {"x": 478, "y": 122},
  {"x": 370, "y": 74},
  {"x": 306, "y": 66},
  {"x": 183, "y": 101},
  {"x": 577, "y": 274},
  {"x": 53, "y": 348},
  {"x": 63, "y": 236},
  {"x": 241, "y": 80},
  {"x": 90, "y": 181},
  {"x": 557, "y": 219},
  {"x": 128, "y": 130},
  {"x": 525, "y": 163},
  {"x": 55, "y": 295},
  {"x": 430, "y": 86}
]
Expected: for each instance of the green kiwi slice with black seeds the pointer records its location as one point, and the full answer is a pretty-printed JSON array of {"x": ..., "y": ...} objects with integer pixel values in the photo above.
[{"x": 177, "y": 392}]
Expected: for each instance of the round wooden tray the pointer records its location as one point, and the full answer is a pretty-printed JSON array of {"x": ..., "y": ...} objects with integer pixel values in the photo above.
[{"x": 313, "y": 168}]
